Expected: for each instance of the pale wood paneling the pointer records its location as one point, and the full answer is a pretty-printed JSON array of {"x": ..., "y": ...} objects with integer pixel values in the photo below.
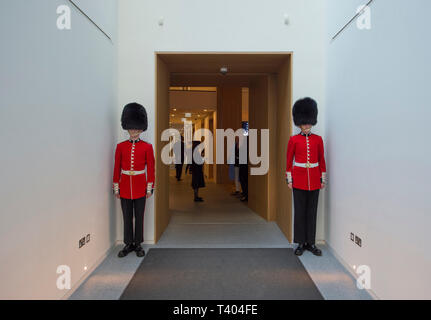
[
  {"x": 162, "y": 215},
  {"x": 229, "y": 110},
  {"x": 237, "y": 62},
  {"x": 274, "y": 153},
  {"x": 245, "y": 103},
  {"x": 284, "y": 129},
  {"x": 258, "y": 115}
]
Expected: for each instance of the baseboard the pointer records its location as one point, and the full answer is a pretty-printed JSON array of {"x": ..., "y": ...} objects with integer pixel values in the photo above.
[
  {"x": 349, "y": 269},
  {"x": 146, "y": 242},
  {"x": 89, "y": 272}
]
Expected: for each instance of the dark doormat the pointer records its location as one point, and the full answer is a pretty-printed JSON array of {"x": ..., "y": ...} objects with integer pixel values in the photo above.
[{"x": 221, "y": 274}]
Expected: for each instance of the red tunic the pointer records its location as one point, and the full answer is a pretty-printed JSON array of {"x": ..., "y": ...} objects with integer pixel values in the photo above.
[
  {"x": 306, "y": 149},
  {"x": 134, "y": 156}
]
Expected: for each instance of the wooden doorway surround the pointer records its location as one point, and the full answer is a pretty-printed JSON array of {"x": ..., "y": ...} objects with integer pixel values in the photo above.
[{"x": 268, "y": 75}]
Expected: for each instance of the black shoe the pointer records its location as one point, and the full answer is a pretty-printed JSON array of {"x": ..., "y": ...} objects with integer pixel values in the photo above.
[
  {"x": 300, "y": 249},
  {"x": 313, "y": 249},
  {"x": 139, "y": 251},
  {"x": 199, "y": 199},
  {"x": 236, "y": 193},
  {"x": 126, "y": 250},
  {"x": 244, "y": 199}
]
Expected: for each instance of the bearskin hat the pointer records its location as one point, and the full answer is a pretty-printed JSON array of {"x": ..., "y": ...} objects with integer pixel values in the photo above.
[
  {"x": 305, "y": 112},
  {"x": 134, "y": 117}
]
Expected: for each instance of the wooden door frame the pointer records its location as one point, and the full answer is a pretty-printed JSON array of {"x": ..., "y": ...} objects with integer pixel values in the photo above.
[{"x": 279, "y": 207}]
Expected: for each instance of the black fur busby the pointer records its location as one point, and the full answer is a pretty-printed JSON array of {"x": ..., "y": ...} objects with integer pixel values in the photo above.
[
  {"x": 134, "y": 117},
  {"x": 305, "y": 112}
]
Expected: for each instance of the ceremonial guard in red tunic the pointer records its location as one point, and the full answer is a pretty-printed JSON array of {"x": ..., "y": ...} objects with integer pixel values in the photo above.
[
  {"x": 305, "y": 174},
  {"x": 133, "y": 179}
]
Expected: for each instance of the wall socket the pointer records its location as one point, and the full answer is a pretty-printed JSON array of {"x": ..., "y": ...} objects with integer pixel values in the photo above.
[
  {"x": 81, "y": 242},
  {"x": 356, "y": 239}
]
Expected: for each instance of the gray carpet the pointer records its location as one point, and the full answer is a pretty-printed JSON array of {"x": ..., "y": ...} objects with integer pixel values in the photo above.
[{"x": 231, "y": 274}]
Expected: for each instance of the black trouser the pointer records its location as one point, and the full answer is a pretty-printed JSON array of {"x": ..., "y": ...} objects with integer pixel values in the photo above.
[
  {"x": 243, "y": 179},
  {"x": 179, "y": 168},
  {"x": 128, "y": 205},
  {"x": 305, "y": 204}
]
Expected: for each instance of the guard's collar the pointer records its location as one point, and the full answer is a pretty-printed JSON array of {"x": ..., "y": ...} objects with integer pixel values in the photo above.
[
  {"x": 134, "y": 141},
  {"x": 305, "y": 135}
]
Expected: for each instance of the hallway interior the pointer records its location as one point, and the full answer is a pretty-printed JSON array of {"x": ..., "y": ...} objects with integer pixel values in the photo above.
[{"x": 221, "y": 221}]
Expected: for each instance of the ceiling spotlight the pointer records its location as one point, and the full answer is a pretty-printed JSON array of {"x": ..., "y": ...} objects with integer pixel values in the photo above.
[{"x": 223, "y": 70}]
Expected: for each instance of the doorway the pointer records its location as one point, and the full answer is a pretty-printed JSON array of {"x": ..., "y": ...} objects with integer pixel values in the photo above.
[{"x": 269, "y": 79}]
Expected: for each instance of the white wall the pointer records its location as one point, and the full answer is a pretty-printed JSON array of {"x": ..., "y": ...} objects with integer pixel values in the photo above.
[
  {"x": 204, "y": 25},
  {"x": 378, "y": 145},
  {"x": 58, "y": 121}
]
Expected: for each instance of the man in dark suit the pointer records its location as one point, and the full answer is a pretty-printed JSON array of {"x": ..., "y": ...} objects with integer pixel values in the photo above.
[{"x": 243, "y": 168}]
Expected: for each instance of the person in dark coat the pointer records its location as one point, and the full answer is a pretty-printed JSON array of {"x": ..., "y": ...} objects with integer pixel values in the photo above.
[
  {"x": 196, "y": 169},
  {"x": 179, "y": 158}
]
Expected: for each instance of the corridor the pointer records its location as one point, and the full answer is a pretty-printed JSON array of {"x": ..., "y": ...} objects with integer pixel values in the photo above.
[{"x": 221, "y": 221}]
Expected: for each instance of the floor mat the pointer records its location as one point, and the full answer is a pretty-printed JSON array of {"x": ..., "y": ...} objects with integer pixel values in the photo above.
[{"x": 215, "y": 274}]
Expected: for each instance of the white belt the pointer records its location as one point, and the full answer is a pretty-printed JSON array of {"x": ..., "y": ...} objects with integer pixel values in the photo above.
[
  {"x": 307, "y": 165},
  {"x": 132, "y": 173}
]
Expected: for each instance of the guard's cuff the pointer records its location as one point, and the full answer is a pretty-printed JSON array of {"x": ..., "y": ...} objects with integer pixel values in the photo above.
[
  {"x": 150, "y": 187},
  {"x": 323, "y": 177},
  {"x": 116, "y": 188},
  {"x": 289, "y": 177}
]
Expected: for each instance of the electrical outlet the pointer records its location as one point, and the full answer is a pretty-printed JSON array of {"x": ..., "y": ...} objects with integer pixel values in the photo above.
[
  {"x": 352, "y": 237},
  {"x": 87, "y": 238},
  {"x": 81, "y": 242},
  {"x": 358, "y": 241}
]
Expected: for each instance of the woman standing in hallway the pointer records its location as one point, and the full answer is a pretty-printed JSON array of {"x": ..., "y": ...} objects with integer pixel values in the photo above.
[
  {"x": 307, "y": 175},
  {"x": 179, "y": 158},
  {"x": 196, "y": 169},
  {"x": 133, "y": 179}
]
